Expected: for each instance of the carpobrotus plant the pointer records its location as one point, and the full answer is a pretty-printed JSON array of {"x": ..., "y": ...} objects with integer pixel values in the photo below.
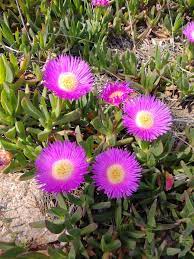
[
  {"x": 117, "y": 173},
  {"x": 147, "y": 117},
  {"x": 61, "y": 167},
  {"x": 68, "y": 77},
  {"x": 100, "y": 2},
  {"x": 189, "y": 31},
  {"x": 120, "y": 186},
  {"x": 116, "y": 93}
]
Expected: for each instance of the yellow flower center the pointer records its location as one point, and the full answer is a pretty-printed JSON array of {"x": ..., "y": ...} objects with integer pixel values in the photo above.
[
  {"x": 62, "y": 169},
  {"x": 144, "y": 119},
  {"x": 116, "y": 94},
  {"x": 67, "y": 81},
  {"x": 115, "y": 174}
]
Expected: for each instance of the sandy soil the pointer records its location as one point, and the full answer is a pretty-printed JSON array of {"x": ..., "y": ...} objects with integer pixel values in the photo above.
[{"x": 22, "y": 203}]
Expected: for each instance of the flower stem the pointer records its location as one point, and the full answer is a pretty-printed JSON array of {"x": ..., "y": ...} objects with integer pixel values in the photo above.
[
  {"x": 89, "y": 215},
  {"x": 106, "y": 255},
  {"x": 118, "y": 213}
]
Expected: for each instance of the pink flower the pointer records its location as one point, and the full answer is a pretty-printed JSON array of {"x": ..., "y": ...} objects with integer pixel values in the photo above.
[
  {"x": 116, "y": 93},
  {"x": 117, "y": 173},
  {"x": 68, "y": 77},
  {"x": 61, "y": 167},
  {"x": 147, "y": 117},
  {"x": 189, "y": 31},
  {"x": 100, "y": 2}
]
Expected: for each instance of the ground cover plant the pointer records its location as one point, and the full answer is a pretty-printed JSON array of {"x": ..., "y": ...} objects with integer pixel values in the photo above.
[{"x": 90, "y": 114}]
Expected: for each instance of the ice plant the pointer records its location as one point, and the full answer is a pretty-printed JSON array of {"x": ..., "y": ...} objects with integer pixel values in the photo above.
[
  {"x": 116, "y": 93},
  {"x": 100, "y": 2},
  {"x": 147, "y": 117},
  {"x": 61, "y": 167},
  {"x": 68, "y": 77},
  {"x": 117, "y": 173},
  {"x": 189, "y": 31}
]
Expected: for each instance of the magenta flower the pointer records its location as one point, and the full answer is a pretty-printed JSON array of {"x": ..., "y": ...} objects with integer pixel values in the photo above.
[
  {"x": 117, "y": 173},
  {"x": 189, "y": 31},
  {"x": 68, "y": 77},
  {"x": 100, "y": 2},
  {"x": 147, "y": 117},
  {"x": 116, "y": 93},
  {"x": 61, "y": 167}
]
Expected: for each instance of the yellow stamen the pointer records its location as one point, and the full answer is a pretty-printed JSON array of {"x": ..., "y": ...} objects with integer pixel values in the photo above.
[
  {"x": 144, "y": 119},
  {"x": 67, "y": 81},
  {"x": 116, "y": 94},
  {"x": 62, "y": 169},
  {"x": 115, "y": 174}
]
